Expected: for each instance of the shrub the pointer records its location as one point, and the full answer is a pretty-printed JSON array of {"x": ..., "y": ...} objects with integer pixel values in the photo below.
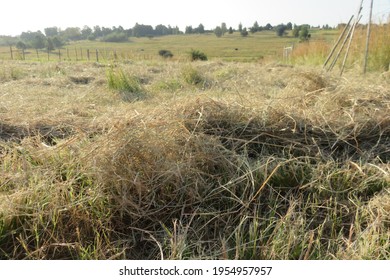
[
  {"x": 165, "y": 53},
  {"x": 129, "y": 86},
  {"x": 116, "y": 37},
  {"x": 193, "y": 77},
  {"x": 198, "y": 55}
]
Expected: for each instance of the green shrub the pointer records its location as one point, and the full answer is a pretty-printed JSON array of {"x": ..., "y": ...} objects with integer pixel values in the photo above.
[
  {"x": 165, "y": 53},
  {"x": 129, "y": 86},
  {"x": 198, "y": 55},
  {"x": 116, "y": 37},
  {"x": 193, "y": 77}
]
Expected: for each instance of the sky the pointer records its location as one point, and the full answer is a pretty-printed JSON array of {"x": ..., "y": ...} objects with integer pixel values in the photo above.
[{"x": 32, "y": 15}]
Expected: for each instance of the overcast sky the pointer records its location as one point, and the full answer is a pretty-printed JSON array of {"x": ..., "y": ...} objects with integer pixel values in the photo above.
[{"x": 32, "y": 15}]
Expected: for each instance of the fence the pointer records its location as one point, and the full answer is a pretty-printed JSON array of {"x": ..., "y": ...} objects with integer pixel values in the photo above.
[{"x": 74, "y": 54}]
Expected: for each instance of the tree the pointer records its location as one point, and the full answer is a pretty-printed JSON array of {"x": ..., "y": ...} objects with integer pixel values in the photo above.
[
  {"x": 240, "y": 27},
  {"x": 295, "y": 31},
  {"x": 200, "y": 29},
  {"x": 51, "y": 31},
  {"x": 57, "y": 42},
  {"x": 86, "y": 32},
  {"x": 20, "y": 45},
  {"x": 38, "y": 42},
  {"x": 230, "y": 30},
  {"x": 72, "y": 33},
  {"x": 189, "y": 29},
  {"x": 289, "y": 26},
  {"x": 224, "y": 28},
  {"x": 50, "y": 44},
  {"x": 244, "y": 32},
  {"x": 304, "y": 34},
  {"x": 218, "y": 32},
  {"x": 281, "y": 30},
  {"x": 255, "y": 28},
  {"x": 268, "y": 27}
]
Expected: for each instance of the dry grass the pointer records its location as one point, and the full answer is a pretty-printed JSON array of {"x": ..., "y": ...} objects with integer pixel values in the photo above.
[{"x": 254, "y": 162}]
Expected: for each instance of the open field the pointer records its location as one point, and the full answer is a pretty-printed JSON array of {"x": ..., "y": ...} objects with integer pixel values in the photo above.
[
  {"x": 206, "y": 160},
  {"x": 256, "y": 47}
]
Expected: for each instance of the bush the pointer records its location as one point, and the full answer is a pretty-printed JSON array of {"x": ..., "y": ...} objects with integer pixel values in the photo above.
[
  {"x": 115, "y": 37},
  {"x": 129, "y": 86},
  {"x": 193, "y": 77},
  {"x": 198, "y": 55},
  {"x": 165, "y": 53}
]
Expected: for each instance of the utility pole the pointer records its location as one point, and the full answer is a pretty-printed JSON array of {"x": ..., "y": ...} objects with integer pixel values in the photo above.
[{"x": 368, "y": 39}]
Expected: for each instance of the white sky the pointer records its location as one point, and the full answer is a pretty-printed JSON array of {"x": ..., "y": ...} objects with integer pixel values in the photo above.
[{"x": 32, "y": 15}]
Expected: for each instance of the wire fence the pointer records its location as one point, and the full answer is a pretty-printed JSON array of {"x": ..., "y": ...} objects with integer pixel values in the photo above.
[{"x": 73, "y": 54}]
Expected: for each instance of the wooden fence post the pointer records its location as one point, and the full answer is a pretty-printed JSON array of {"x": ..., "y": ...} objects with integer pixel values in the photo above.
[
  {"x": 76, "y": 53},
  {"x": 81, "y": 53},
  {"x": 88, "y": 54},
  {"x": 97, "y": 55},
  {"x": 48, "y": 54},
  {"x": 12, "y": 55},
  {"x": 37, "y": 53},
  {"x": 368, "y": 39},
  {"x": 67, "y": 53},
  {"x": 59, "y": 54}
]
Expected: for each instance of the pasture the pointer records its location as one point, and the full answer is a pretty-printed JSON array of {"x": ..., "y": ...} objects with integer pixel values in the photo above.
[{"x": 238, "y": 157}]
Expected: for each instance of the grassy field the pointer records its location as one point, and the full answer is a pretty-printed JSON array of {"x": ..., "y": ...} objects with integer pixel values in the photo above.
[
  {"x": 231, "y": 47},
  {"x": 171, "y": 159}
]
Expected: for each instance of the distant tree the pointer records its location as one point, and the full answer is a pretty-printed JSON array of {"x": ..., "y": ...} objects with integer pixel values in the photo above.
[
  {"x": 304, "y": 34},
  {"x": 57, "y": 42},
  {"x": 38, "y": 42},
  {"x": 295, "y": 31},
  {"x": 281, "y": 30},
  {"x": 255, "y": 28},
  {"x": 20, "y": 45},
  {"x": 86, "y": 32},
  {"x": 223, "y": 28},
  {"x": 161, "y": 30},
  {"x": 289, "y": 26},
  {"x": 200, "y": 29},
  {"x": 51, "y": 31},
  {"x": 71, "y": 33},
  {"x": 189, "y": 29},
  {"x": 268, "y": 27},
  {"x": 240, "y": 27},
  {"x": 218, "y": 31},
  {"x": 50, "y": 44},
  {"x": 97, "y": 31},
  {"x": 230, "y": 30},
  {"x": 244, "y": 32}
]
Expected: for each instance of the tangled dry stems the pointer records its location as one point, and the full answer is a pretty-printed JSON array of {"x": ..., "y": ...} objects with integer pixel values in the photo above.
[{"x": 302, "y": 174}]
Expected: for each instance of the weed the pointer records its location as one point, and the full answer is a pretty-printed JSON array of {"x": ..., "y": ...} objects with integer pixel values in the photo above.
[
  {"x": 129, "y": 86},
  {"x": 197, "y": 55}
]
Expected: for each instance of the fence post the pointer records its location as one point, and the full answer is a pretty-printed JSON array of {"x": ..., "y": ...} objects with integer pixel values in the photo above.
[
  {"x": 12, "y": 55},
  {"x": 37, "y": 53},
  {"x": 115, "y": 55},
  {"x": 97, "y": 55},
  {"x": 24, "y": 56},
  {"x": 88, "y": 54},
  {"x": 59, "y": 54},
  {"x": 76, "y": 53},
  {"x": 67, "y": 53},
  {"x": 81, "y": 53},
  {"x": 48, "y": 54}
]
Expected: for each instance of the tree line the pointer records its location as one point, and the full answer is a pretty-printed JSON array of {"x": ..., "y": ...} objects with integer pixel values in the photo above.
[{"x": 53, "y": 37}]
